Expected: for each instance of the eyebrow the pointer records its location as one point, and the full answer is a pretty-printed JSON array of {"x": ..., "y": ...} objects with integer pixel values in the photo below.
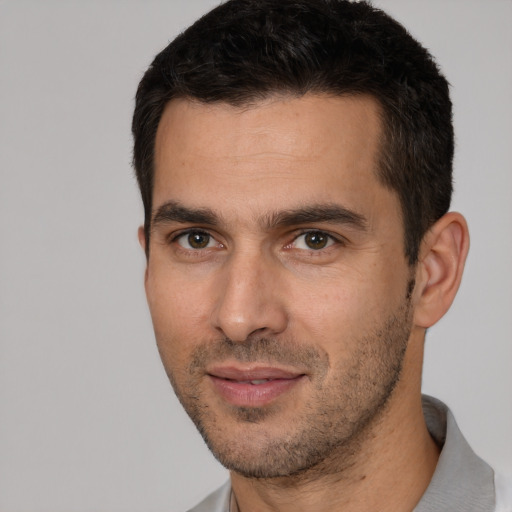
[
  {"x": 317, "y": 213},
  {"x": 173, "y": 211}
]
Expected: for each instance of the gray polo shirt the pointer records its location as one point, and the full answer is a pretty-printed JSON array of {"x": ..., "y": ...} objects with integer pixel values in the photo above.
[{"x": 461, "y": 482}]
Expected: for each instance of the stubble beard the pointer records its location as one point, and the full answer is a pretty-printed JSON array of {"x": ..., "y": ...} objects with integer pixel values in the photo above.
[{"x": 326, "y": 437}]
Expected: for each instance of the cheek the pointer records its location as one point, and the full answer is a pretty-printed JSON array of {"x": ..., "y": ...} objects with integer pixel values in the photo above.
[
  {"x": 179, "y": 310},
  {"x": 337, "y": 311},
  {"x": 333, "y": 313}
]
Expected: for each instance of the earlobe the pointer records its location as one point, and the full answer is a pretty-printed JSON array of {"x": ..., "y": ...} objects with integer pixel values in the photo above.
[{"x": 442, "y": 257}]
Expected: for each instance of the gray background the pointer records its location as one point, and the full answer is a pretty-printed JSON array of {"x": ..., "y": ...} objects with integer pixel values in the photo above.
[{"x": 88, "y": 421}]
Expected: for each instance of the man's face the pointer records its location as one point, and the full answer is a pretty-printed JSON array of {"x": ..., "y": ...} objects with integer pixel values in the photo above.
[{"x": 276, "y": 279}]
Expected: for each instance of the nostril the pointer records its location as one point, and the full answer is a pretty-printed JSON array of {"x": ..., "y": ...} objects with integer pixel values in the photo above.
[{"x": 258, "y": 331}]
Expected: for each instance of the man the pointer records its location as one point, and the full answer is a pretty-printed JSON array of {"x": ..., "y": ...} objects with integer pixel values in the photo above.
[{"x": 294, "y": 160}]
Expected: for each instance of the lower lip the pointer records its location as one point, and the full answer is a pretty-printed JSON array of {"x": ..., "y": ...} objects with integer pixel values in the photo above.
[{"x": 244, "y": 394}]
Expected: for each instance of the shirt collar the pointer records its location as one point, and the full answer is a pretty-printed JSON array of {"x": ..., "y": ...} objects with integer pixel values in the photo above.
[{"x": 462, "y": 481}]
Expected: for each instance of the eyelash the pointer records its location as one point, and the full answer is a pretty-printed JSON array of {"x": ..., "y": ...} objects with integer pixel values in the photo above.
[
  {"x": 182, "y": 234},
  {"x": 331, "y": 240}
]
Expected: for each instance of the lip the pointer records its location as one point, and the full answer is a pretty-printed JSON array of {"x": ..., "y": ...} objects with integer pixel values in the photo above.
[{"x": 236, "y": 384}]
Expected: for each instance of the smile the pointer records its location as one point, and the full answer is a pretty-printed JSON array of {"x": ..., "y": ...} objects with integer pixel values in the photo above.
[
  {"x": 254, "y": 387},
  {"x": 255, "y": 382}
]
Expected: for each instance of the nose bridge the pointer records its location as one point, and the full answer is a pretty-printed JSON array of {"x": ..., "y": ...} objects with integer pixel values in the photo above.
[{"x": 250, "y": 296}]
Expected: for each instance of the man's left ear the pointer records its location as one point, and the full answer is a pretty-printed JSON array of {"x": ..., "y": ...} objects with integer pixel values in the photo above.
[{"x": 441, "y": 262}]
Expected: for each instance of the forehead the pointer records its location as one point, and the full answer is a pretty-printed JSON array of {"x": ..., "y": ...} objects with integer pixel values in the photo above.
[
  {"x": 283, "y": 149},
  {"x": 306, "y": 126}
]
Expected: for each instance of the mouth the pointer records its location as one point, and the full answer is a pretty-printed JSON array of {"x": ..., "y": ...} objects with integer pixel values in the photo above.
[{"x": 253, "y": 386}]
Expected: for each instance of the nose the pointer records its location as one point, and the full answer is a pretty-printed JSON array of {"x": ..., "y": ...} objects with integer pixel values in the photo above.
[{"x": 250, "y": 298}]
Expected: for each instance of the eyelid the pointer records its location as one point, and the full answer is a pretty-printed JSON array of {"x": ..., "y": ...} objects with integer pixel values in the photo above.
[
  {"x": 334, "y": 239},
  {"x": 173, "y": 238}
]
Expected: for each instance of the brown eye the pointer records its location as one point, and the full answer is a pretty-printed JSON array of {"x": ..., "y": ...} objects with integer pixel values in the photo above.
[
  {"x": 195, "y": 240},
  {"x": 316, "y": 240},
  {"x": 198, "y": 240}
]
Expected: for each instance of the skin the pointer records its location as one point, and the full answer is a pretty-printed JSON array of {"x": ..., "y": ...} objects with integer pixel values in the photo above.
[{"x": 237, "y": 279}]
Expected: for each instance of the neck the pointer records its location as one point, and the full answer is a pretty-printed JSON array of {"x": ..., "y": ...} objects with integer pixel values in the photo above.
[{"x": 387, "y": 469}]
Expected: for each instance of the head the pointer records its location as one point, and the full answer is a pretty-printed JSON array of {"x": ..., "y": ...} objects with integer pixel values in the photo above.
[
  {"x": 248, "y": 50},
  {"x": 294, "y": 159}
]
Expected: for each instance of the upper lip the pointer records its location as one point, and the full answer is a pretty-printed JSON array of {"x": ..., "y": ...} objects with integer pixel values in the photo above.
[{"x": 252, "y": 373}]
